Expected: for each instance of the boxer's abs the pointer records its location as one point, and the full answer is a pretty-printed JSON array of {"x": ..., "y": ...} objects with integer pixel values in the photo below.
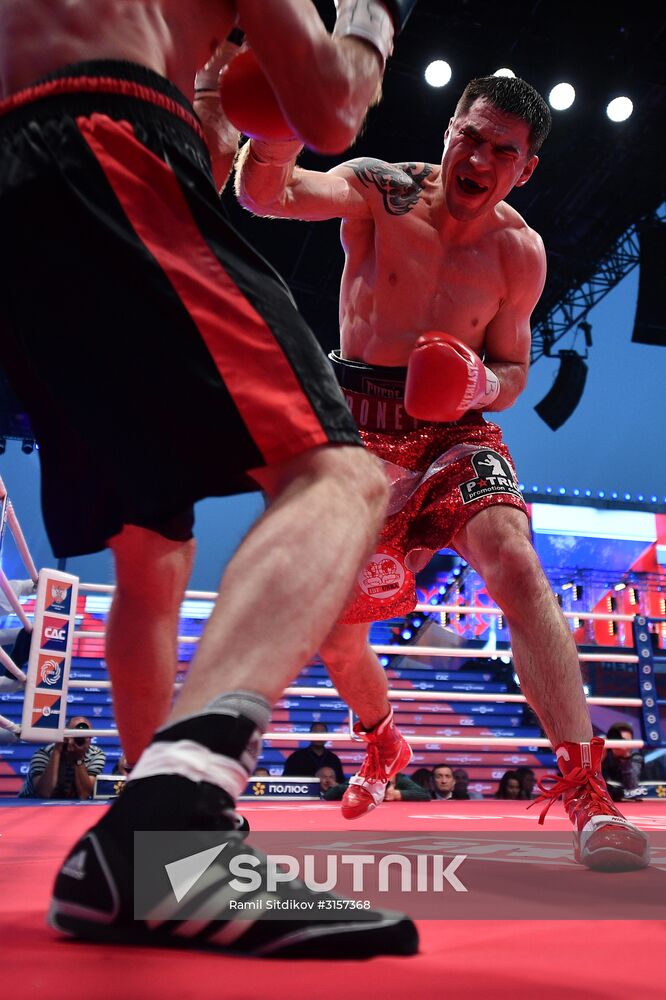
[{"x": 171, "y": 37}]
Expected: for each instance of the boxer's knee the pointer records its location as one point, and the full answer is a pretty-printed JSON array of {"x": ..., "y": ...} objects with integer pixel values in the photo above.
[
  {"x": 497, "y": 544},
  {"x": 511, "y": 571},
  {"x": 354, "y": 483},
  {"x": 364, "y": 483}
]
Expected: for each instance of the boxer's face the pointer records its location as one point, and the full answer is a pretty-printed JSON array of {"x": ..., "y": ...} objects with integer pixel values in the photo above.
[{"x": 486, "y": 154}]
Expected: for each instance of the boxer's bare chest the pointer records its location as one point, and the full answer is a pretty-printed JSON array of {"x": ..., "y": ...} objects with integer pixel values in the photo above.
[{"x": 420, "y": 280}]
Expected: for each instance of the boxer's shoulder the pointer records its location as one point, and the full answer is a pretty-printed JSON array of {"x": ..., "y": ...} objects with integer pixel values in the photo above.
[{"x": 396, "y": 187}]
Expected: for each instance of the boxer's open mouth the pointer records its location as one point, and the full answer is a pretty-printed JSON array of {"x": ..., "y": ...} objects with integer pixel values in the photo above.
[{"x": 469, "y": 186}]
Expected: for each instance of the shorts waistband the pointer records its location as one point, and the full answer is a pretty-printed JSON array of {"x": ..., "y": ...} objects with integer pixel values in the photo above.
[
  {"x": 97, "y": 79},
  {"x": 375, "y": 395},
  {"x": 371, "y": 380}
]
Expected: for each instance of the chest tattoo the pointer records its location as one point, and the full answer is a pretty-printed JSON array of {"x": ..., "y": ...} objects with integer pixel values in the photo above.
[{"x": 400, "y": 184}]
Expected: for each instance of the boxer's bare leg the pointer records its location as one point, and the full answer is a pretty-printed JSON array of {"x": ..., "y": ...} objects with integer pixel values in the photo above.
[
  {"x": 361, "y": 681},
  {"x": 141, "y": 647},
  {"x": 356, "y": 672},
  {"x": 496, "y": 543},
  {"x": 289, "y": 579}
]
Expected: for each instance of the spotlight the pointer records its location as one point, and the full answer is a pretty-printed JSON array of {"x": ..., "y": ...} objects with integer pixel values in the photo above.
[
  {"x": 438, "y": 73},
  {"x": 620, "y": 109},
  {"x": 3, "y": 445},
  {"x": 27, "y": 446},
  {"x": 562, "y": 96},
  {"x": 504, "y": 71}
]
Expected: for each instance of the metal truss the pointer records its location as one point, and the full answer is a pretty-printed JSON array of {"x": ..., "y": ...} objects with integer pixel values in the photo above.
[{"x": 573, "y": 308}]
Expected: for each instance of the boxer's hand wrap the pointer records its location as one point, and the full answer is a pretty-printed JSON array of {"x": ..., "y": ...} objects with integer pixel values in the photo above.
[
  {"x": 206, "y": 80},
  {"x": 376, "y": 21},
  {"x": 275, "y": 153},
  {"x": 445, "y": 379}
]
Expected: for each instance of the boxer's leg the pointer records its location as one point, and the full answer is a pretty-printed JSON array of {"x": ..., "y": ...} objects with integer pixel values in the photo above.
[
  {"x": 356, "y": 672},
  {"x": 329, "y": 504},
  {"x": 301, "y": 558},
  {"x": 141, "y": 647},
  {"x": 361, "y": 681},
  {"x": 497, "y": 544}
]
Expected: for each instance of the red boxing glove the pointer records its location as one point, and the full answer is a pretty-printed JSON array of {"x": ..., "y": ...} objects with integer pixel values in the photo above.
[
  {"x": 249, "y": 101},
  {"x": 445, "y": 379}
]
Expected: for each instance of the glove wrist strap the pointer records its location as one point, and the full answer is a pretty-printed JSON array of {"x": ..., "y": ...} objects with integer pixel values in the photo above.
[{"x": 366, "y": 19}]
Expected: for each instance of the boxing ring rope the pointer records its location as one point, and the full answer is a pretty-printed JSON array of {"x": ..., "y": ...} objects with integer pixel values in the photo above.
[
  {"x": 411, "y": 694},
  {"x": 405, "y": 695},
  {"x": 9, "y": 519}
]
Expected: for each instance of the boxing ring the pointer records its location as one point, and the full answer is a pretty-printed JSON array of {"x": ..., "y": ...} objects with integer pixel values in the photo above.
[{"x": 513, "y": 957}]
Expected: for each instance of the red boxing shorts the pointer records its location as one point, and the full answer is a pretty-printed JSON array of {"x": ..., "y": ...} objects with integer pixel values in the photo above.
[{"x": 441, "y": 475}]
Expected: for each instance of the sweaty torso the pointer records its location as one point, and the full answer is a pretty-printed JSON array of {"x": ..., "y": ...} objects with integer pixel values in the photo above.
[
  {"x": 172, "y": 37},
  {"x": 406, "y": 273}
]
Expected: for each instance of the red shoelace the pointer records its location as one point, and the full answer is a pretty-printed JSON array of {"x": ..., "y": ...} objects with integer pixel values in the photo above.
[
  {"x": 371, "y": 768},
  {"x": 591, "y": 790}
]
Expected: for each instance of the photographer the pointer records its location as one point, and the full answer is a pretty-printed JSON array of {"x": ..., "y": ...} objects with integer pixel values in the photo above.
[{"x": 64, "y": 770}]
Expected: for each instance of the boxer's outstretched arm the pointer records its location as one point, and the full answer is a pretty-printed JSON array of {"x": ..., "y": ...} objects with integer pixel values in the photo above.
[
  {"x": 269, "y": 183},
  {"x": 508, "y": 335},
  {"x": 324, "y": 85}
]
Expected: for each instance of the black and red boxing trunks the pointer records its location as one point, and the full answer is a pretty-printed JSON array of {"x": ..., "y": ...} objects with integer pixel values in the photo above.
[
  {"x": 441, "y": 475},
  {"x": 158, "y": 356}
]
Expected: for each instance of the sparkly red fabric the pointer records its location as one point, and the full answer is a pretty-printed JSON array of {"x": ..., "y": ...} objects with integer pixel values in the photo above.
[{"x": 441, "y": 475}]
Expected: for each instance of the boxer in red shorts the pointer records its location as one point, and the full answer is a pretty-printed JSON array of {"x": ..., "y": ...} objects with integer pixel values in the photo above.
[{"x": 440, "y": 279}]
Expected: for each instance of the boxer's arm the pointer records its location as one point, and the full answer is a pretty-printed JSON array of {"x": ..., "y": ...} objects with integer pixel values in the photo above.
[
  {"x": 269, "y": 183},
  {"x": 509, "y": 336},
  {"x": 326, "y": 99},
  {"x": 221, "y": 136}
]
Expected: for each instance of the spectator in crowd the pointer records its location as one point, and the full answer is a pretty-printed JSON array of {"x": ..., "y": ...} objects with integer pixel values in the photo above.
[
  {"x": 527, "y": 779},
  {"x": 400, "y": 788},
  {"x": 65, "y": 770},
  {"x": 461, "y": 789},
  {"x": 623, "y": 769},
  {"x": 305, "y": 763},
  {"x": 509, "y": 787},
  {"x": 423, "y": 777},
  {"x": 122, "y": 767},
  {"x": 444, "y": 780},
  {"x": 261, "y": 772},
  {"x": 327, "y": 779}
]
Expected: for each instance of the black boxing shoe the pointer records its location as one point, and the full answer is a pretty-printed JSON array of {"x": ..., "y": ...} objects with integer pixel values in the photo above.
[{"x": 94, "y": 899}]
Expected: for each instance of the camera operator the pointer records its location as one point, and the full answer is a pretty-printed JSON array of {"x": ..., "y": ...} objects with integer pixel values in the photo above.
[{"x": 65, "y": 770}]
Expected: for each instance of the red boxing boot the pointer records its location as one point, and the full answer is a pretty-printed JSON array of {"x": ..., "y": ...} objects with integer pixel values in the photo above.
[
  {"x": 603, "y": 839},
  {"x": 387, "y": 754}
]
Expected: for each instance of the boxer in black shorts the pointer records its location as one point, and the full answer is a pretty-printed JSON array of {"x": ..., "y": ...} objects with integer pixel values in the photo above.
[{"x": 161, "y": 361}]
